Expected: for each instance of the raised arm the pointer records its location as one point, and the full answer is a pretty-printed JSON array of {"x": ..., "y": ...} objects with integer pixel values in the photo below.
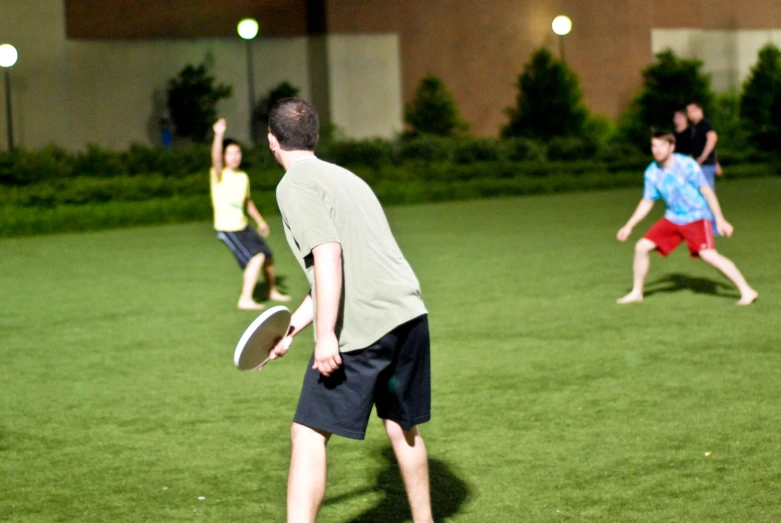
[
  {"x": 723, "y": 226},
  {"x": 219, "y": 133},
  {"x": 642, "y": 210}
]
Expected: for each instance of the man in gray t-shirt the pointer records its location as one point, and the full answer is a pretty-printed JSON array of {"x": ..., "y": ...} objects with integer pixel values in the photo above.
[{"x": 370, "y": 324}]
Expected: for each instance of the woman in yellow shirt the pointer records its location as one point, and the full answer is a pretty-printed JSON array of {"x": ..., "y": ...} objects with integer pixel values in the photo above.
[{"x": 232, "y": 203}]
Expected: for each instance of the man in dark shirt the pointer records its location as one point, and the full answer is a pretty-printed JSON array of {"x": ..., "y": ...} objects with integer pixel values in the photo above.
[
  {"x": 683, "y": 134},
  {"x": 703, "y": 142}
]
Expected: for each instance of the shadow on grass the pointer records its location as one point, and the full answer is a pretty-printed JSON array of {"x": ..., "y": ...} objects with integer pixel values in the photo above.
[
  {"x": 448, "y": 493},
  {"x": 261, "y": 289},
  {"x": 678, "y": 282}
]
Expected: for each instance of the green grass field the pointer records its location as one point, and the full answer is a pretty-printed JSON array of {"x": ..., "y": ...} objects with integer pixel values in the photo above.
[{"x": 119, "y": 400}]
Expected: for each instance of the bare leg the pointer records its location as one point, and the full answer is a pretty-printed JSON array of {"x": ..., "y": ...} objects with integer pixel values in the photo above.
[
  {"x": 643, "y": 248},
  {"x": 307, "y": 476},
  {"x": 728, "y": 269},
  {"x": 251, "y": 274},
  {"x": 413, "y": 462},
  {"x": 271, "y": 282}
]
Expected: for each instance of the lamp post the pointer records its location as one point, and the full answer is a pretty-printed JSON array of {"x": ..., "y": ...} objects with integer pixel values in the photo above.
[
  {"x": 562, "y": 25},
  {"x": 248, "y": 29},
  {"x": 8, "y": 56}
]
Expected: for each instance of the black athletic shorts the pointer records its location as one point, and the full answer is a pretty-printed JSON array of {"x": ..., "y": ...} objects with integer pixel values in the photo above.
[
  {"x": 394, "y": 374},
  {"x": 245, "y": 245}
]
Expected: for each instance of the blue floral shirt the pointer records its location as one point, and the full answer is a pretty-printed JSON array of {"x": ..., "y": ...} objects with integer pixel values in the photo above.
[{"x": 679, "y": 187}]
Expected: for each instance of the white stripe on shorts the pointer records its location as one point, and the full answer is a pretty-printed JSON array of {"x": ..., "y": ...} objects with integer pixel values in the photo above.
[{"x": 235, "y": 245}]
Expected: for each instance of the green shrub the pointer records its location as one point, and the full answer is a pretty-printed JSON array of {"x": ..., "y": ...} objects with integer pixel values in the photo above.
[
  {"x": 22, "y": 167},
  {"x": 20, "y": 221},
  {"x": 473, "y": 150},
  {"x": 600, "y": 129},
  {"x": 433, "y": 110},
  {"x": 549, "y": 101},
  {"x": 668, "y": 84},
  {"x": 181, "y": 160},
  {"x": 562, "y": 148},
  {"x": 96, "y": 161},
  {"x": 426, "y": 149},
  {"x": 618, "y": 153},
  {"x": 192, "y": 102},
  {"x": 525, "y": 149},
  {"x": 725, "y": 118},
  {"x": 370, "y": 152},
  {"x": 760, "y": 104}
]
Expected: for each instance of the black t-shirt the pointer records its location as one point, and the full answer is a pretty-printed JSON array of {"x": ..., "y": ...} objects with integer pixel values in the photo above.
[
  {"x": 683, "y": 141},
  {"x": 698, "y": 139}
]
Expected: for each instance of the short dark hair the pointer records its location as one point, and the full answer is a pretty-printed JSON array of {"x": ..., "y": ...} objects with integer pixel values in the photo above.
[
  {"x": 229, "y": 141},
  {"x": 664, "y": 135},
  {"x": 694, "y": 102},
  {"x": 295, "y": 124}
]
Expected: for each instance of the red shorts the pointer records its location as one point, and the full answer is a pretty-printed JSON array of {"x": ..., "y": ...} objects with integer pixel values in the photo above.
[{"x": 667, "y": 236}]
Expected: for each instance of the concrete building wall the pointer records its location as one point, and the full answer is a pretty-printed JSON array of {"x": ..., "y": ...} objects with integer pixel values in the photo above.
[
  {"x": 71, "y": 92},
  {"x": 39, "y": 94},
  {"x": 151, "y": 19},
  {"x": 96, "y": 70},
  {"x": 365, "y": 84},
  {"x": 727, "y": 55}
]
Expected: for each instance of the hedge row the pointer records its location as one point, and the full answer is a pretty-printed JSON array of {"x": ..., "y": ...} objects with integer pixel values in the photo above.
[
  {"x": 393, "y": 185},
  {"x": 52, "y": 164},
  {"x": 88, "y": 190}
]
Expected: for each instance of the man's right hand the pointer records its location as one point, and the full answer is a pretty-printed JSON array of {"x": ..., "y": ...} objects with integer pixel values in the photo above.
[
  {"x": 220, "y": 126},
  {"x": 724, "y": 227},
  {"x": 623, "y": 233},
  {"x": 280, "y": 349}
]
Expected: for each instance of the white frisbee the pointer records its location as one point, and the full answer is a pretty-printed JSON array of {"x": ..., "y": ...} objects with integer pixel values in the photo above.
[{"x": 260, "y": 337}]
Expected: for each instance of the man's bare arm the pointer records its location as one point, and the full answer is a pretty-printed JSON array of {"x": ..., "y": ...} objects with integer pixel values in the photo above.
[
  {"x": 722, "y": 225},
  {"x": 642, "y": 210},
  {"x": 710, "y": 144},
  {"x": 328, "y": 287}
]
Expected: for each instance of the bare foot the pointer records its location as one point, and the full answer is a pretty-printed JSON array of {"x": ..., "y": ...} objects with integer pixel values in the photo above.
[
  {"x": 278, "y": 296},
  {"x": 632, "y": 297},
  {"x": 748, "y": 298},
  {"x": 250, "y": 305}
]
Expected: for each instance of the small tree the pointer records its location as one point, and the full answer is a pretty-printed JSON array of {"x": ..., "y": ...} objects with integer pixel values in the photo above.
[
  {"x": 668, "y": 84},
  {"x": 192, "y": 102},
  {"x": 433, "y": 110},
  {"x": 760, "y": 104},
  {"x": 549, "y": 100}
]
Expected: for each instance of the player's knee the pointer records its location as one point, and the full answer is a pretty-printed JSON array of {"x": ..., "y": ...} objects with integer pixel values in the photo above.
[
  {"x": 644, "y": 246},
  {"x": 708, "y": 255},
  {"x": 303, "y": 435},
  {"x": 258, "y": 259},
  {"x": 397, "y": 434}
]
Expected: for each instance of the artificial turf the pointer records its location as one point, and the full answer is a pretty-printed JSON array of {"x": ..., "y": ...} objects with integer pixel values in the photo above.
[{"x": 119, "y": 400}]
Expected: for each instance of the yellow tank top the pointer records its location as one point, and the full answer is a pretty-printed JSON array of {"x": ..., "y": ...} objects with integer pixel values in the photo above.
[{"x": 229, "y": 196}]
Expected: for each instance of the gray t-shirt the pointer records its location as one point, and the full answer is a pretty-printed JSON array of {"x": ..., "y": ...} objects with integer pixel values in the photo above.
[{"x": 322, "y": 203}]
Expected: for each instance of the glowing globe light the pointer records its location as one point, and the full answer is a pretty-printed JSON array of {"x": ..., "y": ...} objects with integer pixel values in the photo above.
[
  {"x": 8, "y": 55},
  {"x": 248, "y": 28},
  {"x": 562, "y": 25}
]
